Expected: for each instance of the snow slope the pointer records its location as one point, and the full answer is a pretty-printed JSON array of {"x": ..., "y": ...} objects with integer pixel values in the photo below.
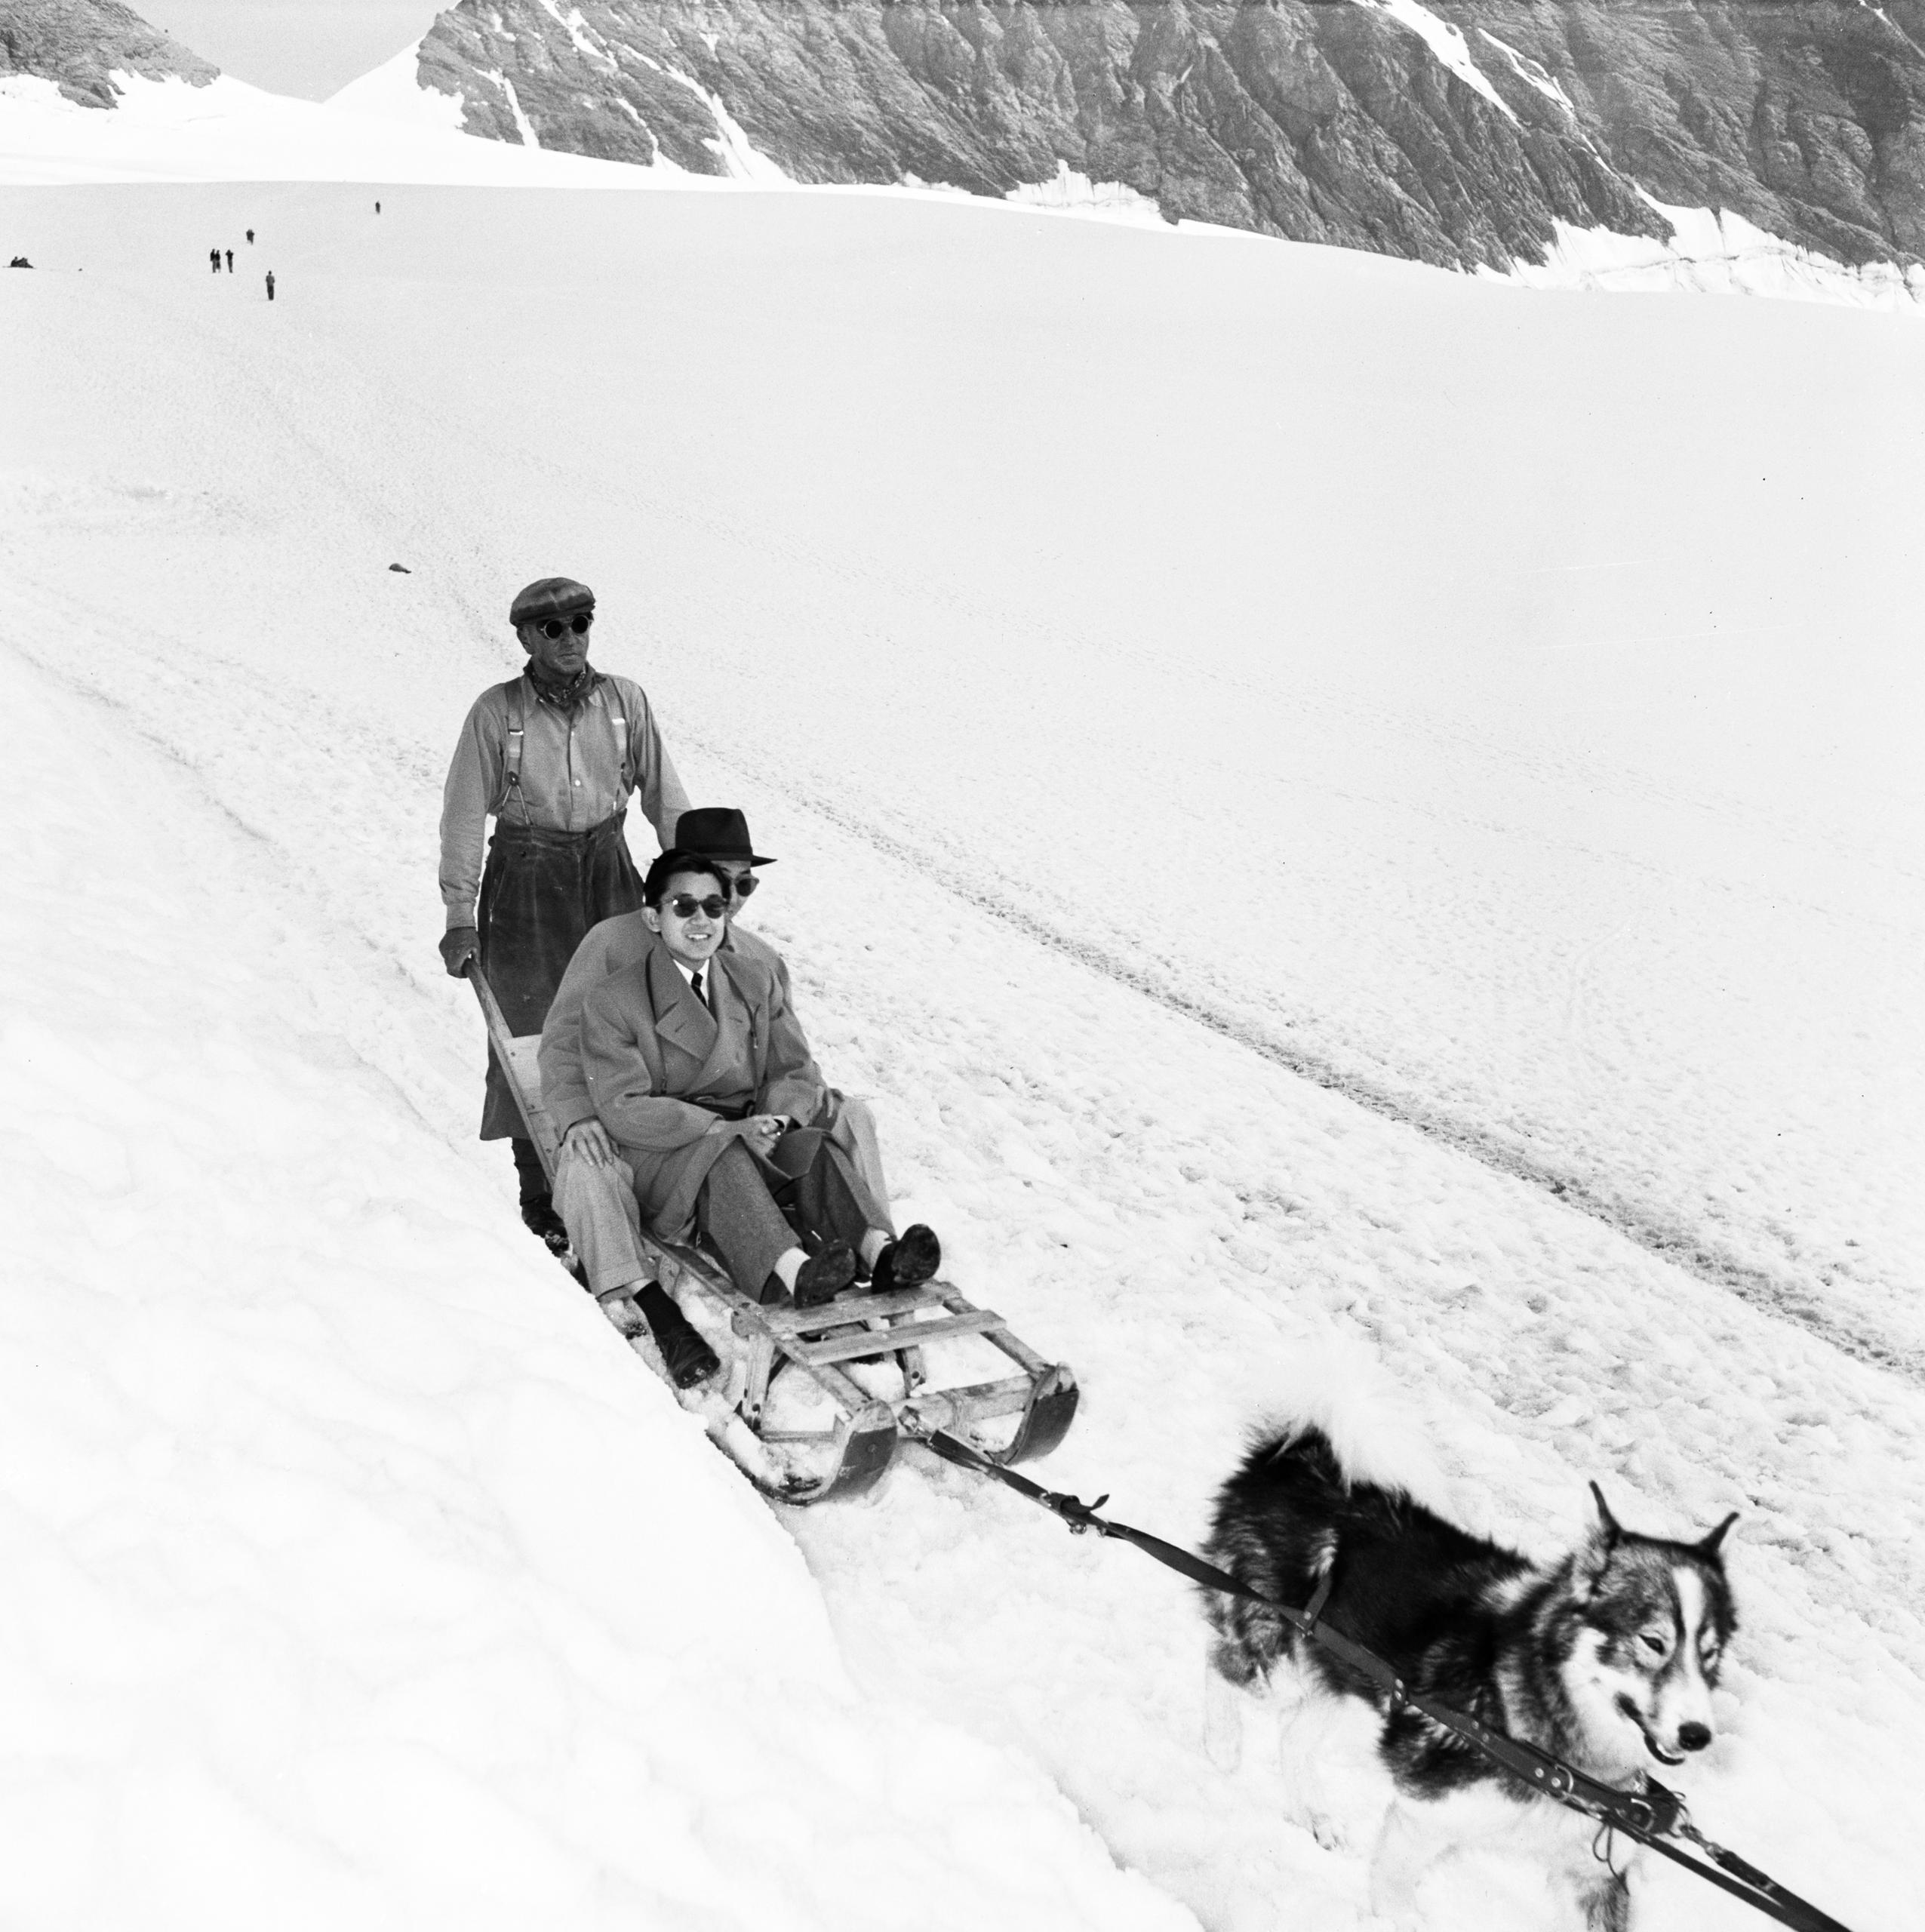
[{"x": 1327, "y": 802}]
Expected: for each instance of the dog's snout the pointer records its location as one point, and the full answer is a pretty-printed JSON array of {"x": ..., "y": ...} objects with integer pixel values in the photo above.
[{"x": 1694, "y": 1736}]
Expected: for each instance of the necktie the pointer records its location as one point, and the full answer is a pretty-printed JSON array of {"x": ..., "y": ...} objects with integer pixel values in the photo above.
[{"x": 695, "y": 980}]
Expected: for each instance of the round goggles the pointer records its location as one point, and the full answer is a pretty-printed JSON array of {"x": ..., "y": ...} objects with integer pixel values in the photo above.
[{"x": 552, "y": 628}]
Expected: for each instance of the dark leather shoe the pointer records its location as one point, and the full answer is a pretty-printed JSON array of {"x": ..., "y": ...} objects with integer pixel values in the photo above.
[
  {"x": 687, "y": 1357},
  {"x": 539, "y": 1218},
  {"x": 907, "y": 1261},
  {"x": 826, "y": 1274}
]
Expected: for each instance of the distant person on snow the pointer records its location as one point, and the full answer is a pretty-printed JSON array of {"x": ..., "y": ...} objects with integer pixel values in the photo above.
[
  {"x": 230, "y": 261},
  {"x": 553, "y": 756},
  {"x": 250, "y": 238},
  {"x": 270, "y": 285},
  {"x": 702, "y": 1078},
  {"x": 377, "y": 207},
  {"x": 214, "y": 259},
  {"x": 593, "y": 1187}
]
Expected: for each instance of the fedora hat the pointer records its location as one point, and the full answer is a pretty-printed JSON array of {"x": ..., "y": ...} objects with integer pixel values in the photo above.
[{"x": 717, "y": 832}]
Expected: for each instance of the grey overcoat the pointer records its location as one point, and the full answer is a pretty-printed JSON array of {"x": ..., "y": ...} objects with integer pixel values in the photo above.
[{"x": 650, "y": 1049}]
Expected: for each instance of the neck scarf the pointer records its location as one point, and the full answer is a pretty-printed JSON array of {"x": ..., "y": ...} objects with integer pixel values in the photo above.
[{"x": 564, "y": 693}]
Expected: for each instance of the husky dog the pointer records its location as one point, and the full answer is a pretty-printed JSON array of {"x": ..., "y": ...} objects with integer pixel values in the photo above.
[{"x": 1606, "y": 1658}]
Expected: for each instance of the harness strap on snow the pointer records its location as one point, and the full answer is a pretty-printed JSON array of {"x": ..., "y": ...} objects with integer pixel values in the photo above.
[{"x": 1655, "y": 1815}]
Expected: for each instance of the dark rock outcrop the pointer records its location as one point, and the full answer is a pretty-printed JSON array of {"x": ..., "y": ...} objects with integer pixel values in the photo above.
[
  {"x": 77, "y": 44},
  {"x": 1323, "y": 120}
]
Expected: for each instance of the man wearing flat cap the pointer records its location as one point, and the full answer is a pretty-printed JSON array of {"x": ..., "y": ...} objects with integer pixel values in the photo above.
[{"x": 553, "y": 757}]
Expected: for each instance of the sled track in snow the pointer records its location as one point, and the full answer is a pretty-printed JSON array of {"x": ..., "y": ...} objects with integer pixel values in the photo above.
[{"x": 1674, "y": 1242}]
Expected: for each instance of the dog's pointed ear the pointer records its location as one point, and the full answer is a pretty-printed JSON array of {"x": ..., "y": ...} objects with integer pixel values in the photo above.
[
  {"x": 1709, "y": 1546},
  {"x": 1608, "y": 1528},
  {"x": 1593, "y": 1558}
]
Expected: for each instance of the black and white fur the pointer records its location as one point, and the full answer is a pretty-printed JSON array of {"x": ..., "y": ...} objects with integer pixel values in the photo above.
[{"x": 1606, "y": 1657}]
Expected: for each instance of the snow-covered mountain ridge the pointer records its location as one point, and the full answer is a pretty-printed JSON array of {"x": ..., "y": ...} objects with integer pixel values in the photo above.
[
  {"x": 1467, "y": 133},
  {"x": 543, "y": 117},
  {"x": 80, "y": 45}
]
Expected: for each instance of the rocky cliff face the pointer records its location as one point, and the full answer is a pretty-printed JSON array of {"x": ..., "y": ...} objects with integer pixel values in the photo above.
[
  {"x": 1456, "y": 132},
  {"x": 77, "y": 44}
]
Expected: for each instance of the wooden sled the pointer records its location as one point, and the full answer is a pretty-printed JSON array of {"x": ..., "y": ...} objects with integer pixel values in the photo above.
[{"x": 817, "y": 1399}]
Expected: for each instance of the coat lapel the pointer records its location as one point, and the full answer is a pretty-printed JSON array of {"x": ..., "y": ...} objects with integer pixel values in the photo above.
[
  {"x": 731, "y": 1062},
  {"x": 681, "y": 1019}
]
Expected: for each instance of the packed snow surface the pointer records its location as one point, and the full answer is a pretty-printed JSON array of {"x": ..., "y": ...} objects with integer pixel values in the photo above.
[{"x": 1346, "y": 815}]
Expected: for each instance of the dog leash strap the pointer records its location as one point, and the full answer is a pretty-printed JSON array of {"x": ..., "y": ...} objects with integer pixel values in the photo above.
[
  {"x": 1744, "y": 1880},
  {"x": 1536, "y": 1768},
  {"x": 1732, "y": 1874},
  {"x": 1651, "y": 1817}
]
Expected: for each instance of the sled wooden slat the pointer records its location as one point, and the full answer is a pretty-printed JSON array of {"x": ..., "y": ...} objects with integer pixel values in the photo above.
[
  {"x": 785, "y": 1321},
  {"x": 983, "y": 1400},
  {"x": 848, "y": 1346},
  {"x": 518, "y": 1055}
]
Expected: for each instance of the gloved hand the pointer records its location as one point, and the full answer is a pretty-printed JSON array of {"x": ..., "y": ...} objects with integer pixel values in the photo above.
[{"x": 459, "y": 944}]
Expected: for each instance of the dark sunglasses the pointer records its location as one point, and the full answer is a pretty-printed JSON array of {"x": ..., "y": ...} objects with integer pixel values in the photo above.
[
  {"x": 553, "y": 628},
  {"x": 682, "y": 905},
  {"x": 743, "y": 886}
]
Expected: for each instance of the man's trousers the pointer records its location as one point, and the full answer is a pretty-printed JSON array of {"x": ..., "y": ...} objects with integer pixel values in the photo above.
[
  {"x": 540, "y": 893},
  {"x": 738, "y": 1209}
]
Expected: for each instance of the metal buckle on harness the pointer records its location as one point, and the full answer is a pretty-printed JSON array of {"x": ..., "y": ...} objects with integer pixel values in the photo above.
[
  {"x": 1666, "y": 1807},
  {"x": 1319, "y": 1596}
]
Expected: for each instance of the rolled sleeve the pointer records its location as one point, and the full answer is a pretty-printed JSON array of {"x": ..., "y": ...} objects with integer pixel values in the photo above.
[{"x": 663, "y": 799}]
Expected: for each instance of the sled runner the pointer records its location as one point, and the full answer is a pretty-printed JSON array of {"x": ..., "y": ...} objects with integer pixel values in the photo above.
[{"x": 814, "y": 1400}]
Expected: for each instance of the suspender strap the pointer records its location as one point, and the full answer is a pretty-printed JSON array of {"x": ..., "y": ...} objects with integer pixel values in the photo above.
[
  {"x": 605, "y": 694},
  {"x": 512, "y": 761},
  {"x": 611, "y": 702}
]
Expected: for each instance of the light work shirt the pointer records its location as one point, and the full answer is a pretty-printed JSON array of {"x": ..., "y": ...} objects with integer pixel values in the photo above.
[{"x": 578, "y": 767}]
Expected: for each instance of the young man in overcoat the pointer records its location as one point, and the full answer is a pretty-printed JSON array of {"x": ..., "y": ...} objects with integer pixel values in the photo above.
[
  {"x": 703, "y": 1081},
  {"x": 719, "y": 833},
  {"x": 594, "y": 1190}
]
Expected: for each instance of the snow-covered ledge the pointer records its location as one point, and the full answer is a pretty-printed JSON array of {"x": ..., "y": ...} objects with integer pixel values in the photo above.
[{"x": 1715, "y": 252}]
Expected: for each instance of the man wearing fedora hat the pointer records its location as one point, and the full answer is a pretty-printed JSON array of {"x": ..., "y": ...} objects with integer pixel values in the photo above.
[
  {"x": 553, "y": 756},
  {"x": 591, "y": 1187}
]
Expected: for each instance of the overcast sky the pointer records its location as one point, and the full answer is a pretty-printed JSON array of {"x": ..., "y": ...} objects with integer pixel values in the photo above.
[{"x": 309, "y": 47}]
